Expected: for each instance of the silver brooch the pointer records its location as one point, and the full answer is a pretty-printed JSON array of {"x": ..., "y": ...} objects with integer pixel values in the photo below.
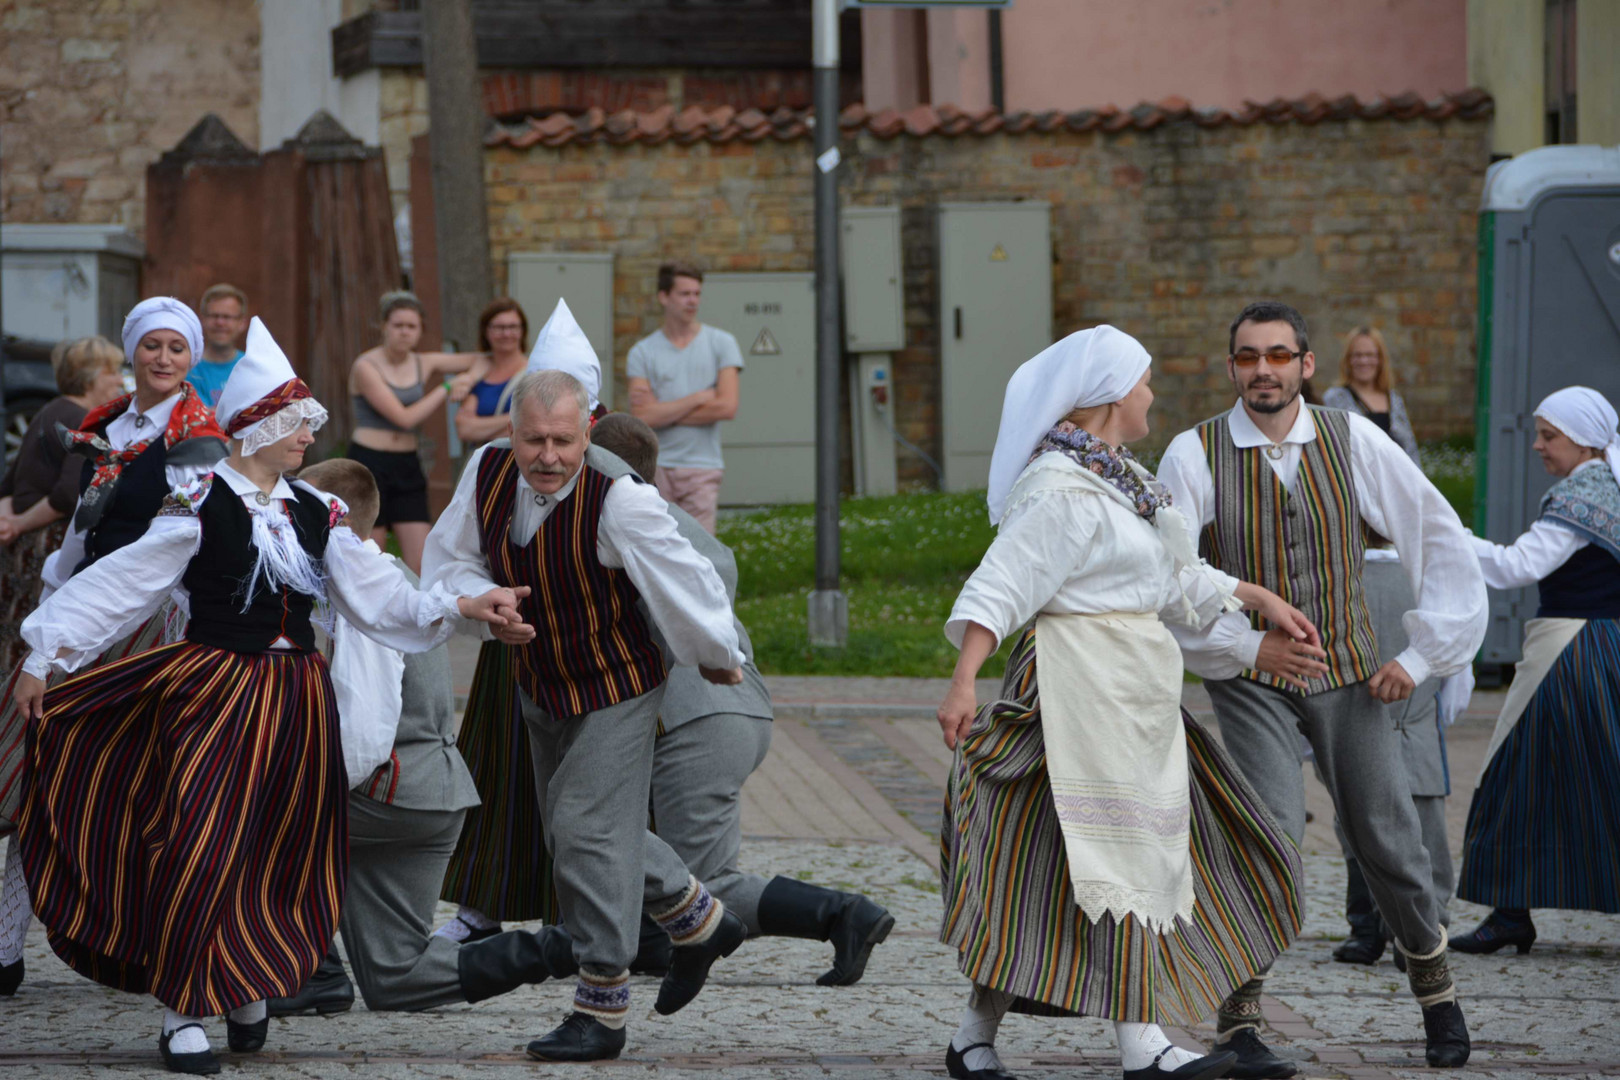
[
  {"x": 141, "y": 420},
  {"x": 262, "y": 498},
  {"x": 1274, "y": 452}
]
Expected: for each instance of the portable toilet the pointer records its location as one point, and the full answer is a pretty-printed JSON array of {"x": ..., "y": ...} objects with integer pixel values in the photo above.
[{"x": 1549, "y": 317}]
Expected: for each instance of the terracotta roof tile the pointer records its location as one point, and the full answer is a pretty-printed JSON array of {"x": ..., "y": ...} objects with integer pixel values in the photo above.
[{"x": 725, "y": 124}]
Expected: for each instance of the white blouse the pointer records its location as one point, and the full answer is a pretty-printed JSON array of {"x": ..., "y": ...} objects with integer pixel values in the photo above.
[
  {"x": 1074, "y": 545},
  {"x": 116, "y": 593},
  {"x": 1543, "y": 548}
]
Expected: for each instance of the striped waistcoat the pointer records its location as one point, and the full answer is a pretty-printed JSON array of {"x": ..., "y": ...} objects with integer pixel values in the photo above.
[
  {"x": 592, "y": 648},
  {"x": 1305, "y": 545}
]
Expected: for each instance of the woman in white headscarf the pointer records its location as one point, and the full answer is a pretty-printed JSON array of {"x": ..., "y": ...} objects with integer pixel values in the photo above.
[
  {"x": 1544, "y": 827},
  {"x": 184, "y": 832},
  {"x": 1102, "y": 856}
]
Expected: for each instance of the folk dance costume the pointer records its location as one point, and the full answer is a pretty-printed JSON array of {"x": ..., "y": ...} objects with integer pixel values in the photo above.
[
  {"x": 183, "y": 829},
  {"x": 1291, "y": 518},
  {"x": 1100, "y": 855},
  {"x": 590, "y": 686},
  {"x": 1544, "y": 826},
  {"x": 132, "y": 460}
]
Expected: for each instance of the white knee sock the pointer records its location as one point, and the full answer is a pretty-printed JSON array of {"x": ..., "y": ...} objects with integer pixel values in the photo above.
[
  {"x": 251, "y": 1013},
  {"x": 1140, "y": 1044},
  {"x": 190, "y": 1041},
  {"x": 467, "y": 919},
  {"x": 15, "y": 911},
  {"x": 980, "y": 1022}
]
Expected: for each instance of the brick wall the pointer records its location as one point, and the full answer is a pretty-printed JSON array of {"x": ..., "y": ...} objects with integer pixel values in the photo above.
[
  {"x": 1165, "y": 233},
  {"x": 91, "y": 93}
]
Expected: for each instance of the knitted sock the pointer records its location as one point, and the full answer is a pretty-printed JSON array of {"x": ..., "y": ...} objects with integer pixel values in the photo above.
[
  {"x": 1429, "y": 975},
  {"x": 190, "y": 1041},
  {"x": 15, "y": 912},
  {"x": 1141, "y": 1044},
  {"x": 604, "y": 997},
  {"x": 693, "y": 917},
  {"x": 1240, "y": 1010},
  {"x": 251, "y": 1013},
  {"x": 980, "y": 1022}
]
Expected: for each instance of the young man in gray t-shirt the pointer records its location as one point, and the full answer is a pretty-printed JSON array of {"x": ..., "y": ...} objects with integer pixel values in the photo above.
[{"x": 683, "y": 381}]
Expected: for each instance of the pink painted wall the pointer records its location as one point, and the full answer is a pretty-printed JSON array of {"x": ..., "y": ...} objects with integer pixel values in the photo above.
[{"x": 1073, "y": 54}]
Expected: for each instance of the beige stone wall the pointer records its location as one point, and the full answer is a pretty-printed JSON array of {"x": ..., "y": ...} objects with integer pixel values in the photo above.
[
  {"x": 403, "y": 107},
  {"x": 92, "y": 91},
  {"x": 1165, "y": 234}
]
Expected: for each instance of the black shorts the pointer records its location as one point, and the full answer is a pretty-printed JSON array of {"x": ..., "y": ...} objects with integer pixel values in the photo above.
[{"x": 401, "y": 486}]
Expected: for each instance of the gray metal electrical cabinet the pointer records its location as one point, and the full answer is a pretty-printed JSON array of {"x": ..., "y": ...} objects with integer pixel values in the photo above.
[
  {"x": 874, "y": 301},
  {"x": 770, "y": 448},
  {"x": 69, "y": 281},
  {"x": 1549, "y": 283},
  {"x": 995, "y": 294},
  {"x": 538, "y": 279}
]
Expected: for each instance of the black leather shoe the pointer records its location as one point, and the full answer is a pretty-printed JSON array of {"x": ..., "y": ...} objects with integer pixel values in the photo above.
[
  {"x": 11, "y": 977},
  {"x": 689, "y": 964},
  {"x": 1207, "y": 1067},
  {"x": 1445, "y": 1033},
  {"x": 854, "y": 924},
  {"x": 1501, "y": 928},
  {"x": 328, "y": 991},
  {"x": 1360, "y": 949},
  {"x": 652, "y": 951},
  {"x": 579, "y": 1038},
  {"x": 200, "y": 1064},
  {"x": 958, "y": 1069},
  {"x": 246, "y": 1038},
  {"x": 1255, "y": 1061}
]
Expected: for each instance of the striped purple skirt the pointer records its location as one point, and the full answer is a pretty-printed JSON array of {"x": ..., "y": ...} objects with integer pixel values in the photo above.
[{"x": 1009, "y": 908}]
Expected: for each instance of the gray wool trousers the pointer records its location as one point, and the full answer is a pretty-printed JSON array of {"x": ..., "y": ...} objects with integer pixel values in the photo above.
[
  {"x": 698, "y": 773},
  {"x": 592, "y": 775},
  {"x": 1358, "y": 754}
]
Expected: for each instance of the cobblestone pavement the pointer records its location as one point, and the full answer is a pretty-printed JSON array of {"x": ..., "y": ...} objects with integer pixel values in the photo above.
[{"x": 849, "y": 797}]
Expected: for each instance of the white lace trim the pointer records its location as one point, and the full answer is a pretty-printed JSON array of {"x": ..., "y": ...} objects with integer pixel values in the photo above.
[{"x": 278, "y": 426}]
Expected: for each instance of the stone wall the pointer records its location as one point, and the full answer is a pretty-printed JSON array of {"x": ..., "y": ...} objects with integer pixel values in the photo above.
[
  {"x": 93, "y": 91},
  {"x": 1164, "y": 233}
]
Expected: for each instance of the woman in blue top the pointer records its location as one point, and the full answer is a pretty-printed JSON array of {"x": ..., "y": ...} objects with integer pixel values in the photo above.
[{"x": 503, "y": 333}]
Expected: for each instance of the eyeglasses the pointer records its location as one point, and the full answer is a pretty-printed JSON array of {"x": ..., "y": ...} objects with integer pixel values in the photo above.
[{"x": 1277, "y": 357}]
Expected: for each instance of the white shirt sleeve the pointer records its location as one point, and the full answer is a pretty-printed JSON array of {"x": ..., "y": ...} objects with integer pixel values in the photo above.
[
  {"x": 368, "y": 681},
  {"x": 112, "y": 597},
  {"x": 180, "y": 476},
  {"x": 376, "y": 597},
  {"x": 682, "y": 590},
  {"x": 1544, "y": 548},
  {"x": 1039, "y": 546},
  {"x": 454, "y": 555},
  {"x": 1447, "y": 626},
  {"x": 1229, "y": 645}
]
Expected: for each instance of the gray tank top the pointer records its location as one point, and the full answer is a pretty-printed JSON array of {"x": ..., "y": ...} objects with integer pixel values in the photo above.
[{"x": 365, "y": 416}]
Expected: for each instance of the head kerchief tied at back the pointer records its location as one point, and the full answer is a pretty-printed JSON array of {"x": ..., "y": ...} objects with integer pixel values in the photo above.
[
  {"x": 162, "y": 313},
  {"x": 562, "y": 346},
  {"x": 264, "y": 400},
  {"x": 1587, "y": 418},
  {"x": 1088, "y": 368}
]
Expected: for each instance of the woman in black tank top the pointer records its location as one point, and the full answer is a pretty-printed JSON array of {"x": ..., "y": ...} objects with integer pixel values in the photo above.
[{"x": 394, "y": 390}]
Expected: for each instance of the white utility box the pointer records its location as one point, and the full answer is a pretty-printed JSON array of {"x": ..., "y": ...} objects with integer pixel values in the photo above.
[{"x": 68, "y": 281}]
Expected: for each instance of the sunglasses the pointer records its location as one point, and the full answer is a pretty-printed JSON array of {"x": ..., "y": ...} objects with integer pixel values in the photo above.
[{"x": 1277, "y": 357}]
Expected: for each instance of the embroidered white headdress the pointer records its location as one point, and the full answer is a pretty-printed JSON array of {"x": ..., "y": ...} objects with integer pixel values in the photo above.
[
  {"x": 562, "y": 346},
  {"x": 264, "y": 400}
]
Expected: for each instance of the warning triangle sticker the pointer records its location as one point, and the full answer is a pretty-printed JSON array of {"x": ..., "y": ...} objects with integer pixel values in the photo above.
[
  {"x": 998, "y": 254},
  {"x": 765, "y": 344}
]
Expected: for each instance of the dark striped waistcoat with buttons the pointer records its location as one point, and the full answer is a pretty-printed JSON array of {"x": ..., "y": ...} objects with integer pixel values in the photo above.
[
  {"x": 1305, "y": 545},
  {"x": 592, "y": 648}
]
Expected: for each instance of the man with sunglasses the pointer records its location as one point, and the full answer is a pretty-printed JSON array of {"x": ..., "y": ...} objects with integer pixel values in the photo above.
[{"x": 1283, "y": 494}]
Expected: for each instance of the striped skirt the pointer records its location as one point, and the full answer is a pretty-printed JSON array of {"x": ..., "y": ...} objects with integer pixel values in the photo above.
[
  {"x": 500, "y": 866},
  {"x": 14, "y": 728},
  {"x": 184, "y": 830},
  {"x": 1010, "y": 912},
  {"x": 1544, "y": 826}
]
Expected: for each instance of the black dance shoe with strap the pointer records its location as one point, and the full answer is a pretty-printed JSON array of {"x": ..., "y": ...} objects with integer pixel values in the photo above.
[
  {"x": 958, "y": 1070},
  {"x": 202, "y": 1063},
  {"x": 1207, "y": 1067},
  {"x": 1503, "y": 927}
]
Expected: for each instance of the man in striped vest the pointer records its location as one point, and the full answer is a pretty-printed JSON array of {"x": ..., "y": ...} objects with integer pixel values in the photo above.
[
  {"x": 1283, "y": 495},
  {"x": 591, "y": 549}
]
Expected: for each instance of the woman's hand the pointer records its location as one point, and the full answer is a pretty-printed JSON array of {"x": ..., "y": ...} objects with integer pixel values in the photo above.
[
  {"x": 957, "y": 711},
  {"x": 1278, "y": 612},
  {"x": 8, "y": 529},
  {"x": 461, "y": 386},
  {"x": 29, "y": 694}
]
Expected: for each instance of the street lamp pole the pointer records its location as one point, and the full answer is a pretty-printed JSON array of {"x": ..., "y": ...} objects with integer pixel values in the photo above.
[{"x": 829, "y": 609}]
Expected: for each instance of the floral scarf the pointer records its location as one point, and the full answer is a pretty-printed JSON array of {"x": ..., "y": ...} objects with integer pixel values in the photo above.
[
  {"x": 191, "y": 419},
  {"x": 1112, "y": 465},
  {"x": 1588, "y": 501}
]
